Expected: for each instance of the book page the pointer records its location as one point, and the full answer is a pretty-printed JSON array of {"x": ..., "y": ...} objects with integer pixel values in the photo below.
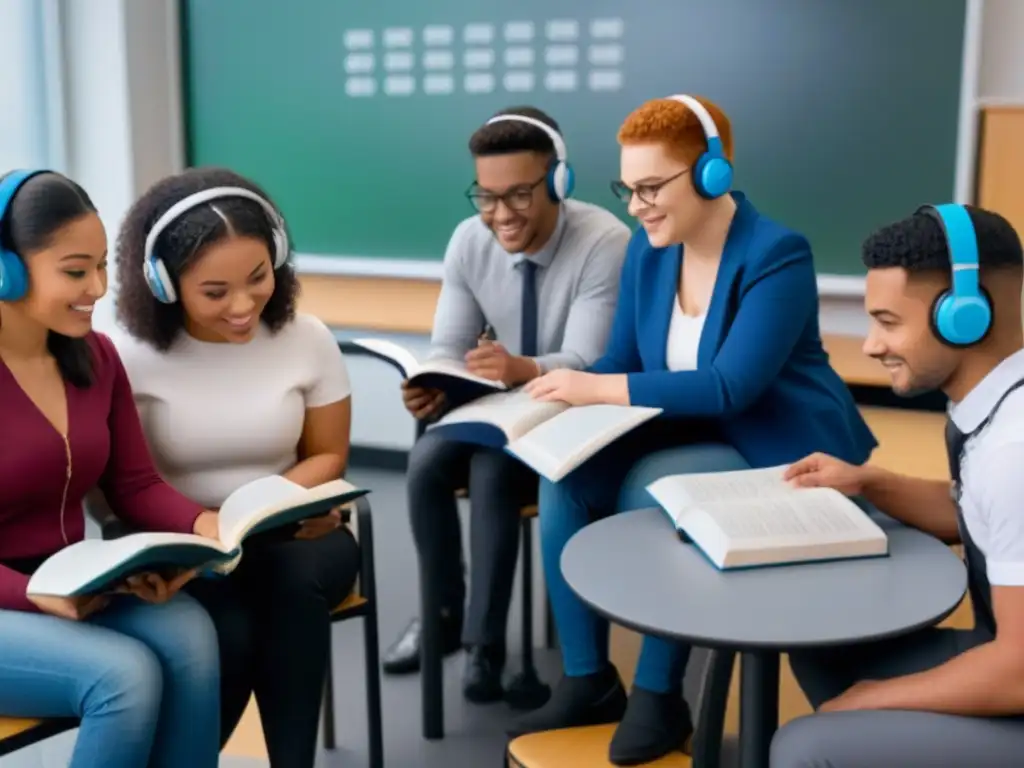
[
  {"x": 813, "y": 514},
  {"x": 249, "y": 504},
  {"x": 557, "y": 446},
  {"x": 455, "y": 368},
  {"x": 514, "y": 412},
  {"x": 676, "y": 492},
  {"x": 401, "y": 356}
]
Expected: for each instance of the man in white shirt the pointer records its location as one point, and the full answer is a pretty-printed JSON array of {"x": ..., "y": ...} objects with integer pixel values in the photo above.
[
  {"x": 530, "y": 285},
  {"x": 938, "y": 697}
]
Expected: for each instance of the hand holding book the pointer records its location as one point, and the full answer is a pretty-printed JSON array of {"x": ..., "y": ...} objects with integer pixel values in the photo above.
[{"x": 580, "y": 388}]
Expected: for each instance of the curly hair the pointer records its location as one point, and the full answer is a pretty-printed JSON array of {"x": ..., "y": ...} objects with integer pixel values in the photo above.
[
  {"x": 182, "y": 243},
  {"x": 509, "y": 136},
  {"x": 672, "y": 123},
  {"x": 918, "y": 244}
]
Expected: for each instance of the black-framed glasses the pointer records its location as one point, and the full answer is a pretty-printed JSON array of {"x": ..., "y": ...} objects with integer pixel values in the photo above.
[
  {"x": 647, "y": 193},
  {"x": 517, "y": 198}
]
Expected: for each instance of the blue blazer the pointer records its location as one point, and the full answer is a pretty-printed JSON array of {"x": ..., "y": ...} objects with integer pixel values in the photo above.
[{"x": 762, "y": 371}]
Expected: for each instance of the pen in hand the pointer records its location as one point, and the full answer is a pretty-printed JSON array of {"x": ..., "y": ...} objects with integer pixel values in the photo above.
[{"x": 487, "y": 335}]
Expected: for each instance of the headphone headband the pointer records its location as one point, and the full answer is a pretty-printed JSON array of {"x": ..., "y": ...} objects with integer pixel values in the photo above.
[
  {"x": 962, "y": 243},
  {"x": 215, "y": 193},
  {"x": 561, "y": 153},
  {"x": 701, "y": 113}
]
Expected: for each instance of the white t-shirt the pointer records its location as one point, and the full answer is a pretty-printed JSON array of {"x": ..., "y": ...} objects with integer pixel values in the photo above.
[
  {"x": 684, "y": 332},
  {"x": 992, "y": 471},
  {"x": 220, "y": 415}
]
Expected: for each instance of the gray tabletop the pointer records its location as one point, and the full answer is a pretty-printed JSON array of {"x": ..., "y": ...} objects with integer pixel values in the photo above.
[{"x": 633, "y": 569}]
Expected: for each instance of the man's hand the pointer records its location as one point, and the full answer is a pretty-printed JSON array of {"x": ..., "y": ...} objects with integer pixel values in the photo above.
[
  {"x": 579, "y": 388},
  {"x": 862, "y": 695},
  {"x": 420, "y": 402},
  {"x": 493, "y": 361},
  {"x": 820, "y": 470},
  {"x": 315, "y": 527},
  {"x": 72, "y": 608}
]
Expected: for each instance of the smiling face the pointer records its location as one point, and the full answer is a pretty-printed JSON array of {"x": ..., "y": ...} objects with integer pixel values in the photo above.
[
  {"x": 901, "y": 336},
  {"x": 511, "y": 194},
  {"x": 663, "y": 199},
  {"x": 225, "y": 290},
  {"x": 67, "y": 277}
]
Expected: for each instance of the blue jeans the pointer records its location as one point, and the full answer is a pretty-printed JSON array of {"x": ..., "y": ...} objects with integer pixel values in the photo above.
[
  {"x": 611, "y": 483},
  {"x": 142, "y": 678}
]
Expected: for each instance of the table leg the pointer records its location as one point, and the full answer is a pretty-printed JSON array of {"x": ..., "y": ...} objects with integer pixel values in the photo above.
[
  {"x": 431, "y": 658},
  {"x": 759, "y": 706}
]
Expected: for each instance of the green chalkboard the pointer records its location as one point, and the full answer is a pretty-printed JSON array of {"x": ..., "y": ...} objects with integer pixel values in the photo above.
[{"x": 845, "y": 111}]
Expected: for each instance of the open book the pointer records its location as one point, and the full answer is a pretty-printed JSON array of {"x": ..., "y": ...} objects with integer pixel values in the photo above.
[
  {"x": 551, "y": 438},
  {"x": 753, "y": 518},
  {"x": 449, "y": 376},
  {"x": 94, "y": 565}
]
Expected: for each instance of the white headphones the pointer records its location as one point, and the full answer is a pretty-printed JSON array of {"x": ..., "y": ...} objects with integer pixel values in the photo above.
[
  {"x": 157, "y": 276},
  {"x": 561, "y": 177}
]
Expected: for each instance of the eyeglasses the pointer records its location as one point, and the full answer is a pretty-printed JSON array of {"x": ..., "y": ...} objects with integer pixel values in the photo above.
[
  {"x": 647, "y": 193},
  {"x": 517, "y": 199}
]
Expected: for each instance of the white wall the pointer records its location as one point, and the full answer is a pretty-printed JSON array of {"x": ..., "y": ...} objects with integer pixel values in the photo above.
[{"x": 114, "y": 72}]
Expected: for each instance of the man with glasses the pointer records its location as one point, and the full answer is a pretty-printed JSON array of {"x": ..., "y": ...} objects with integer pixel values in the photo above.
[{"x": 529, "y": 285}]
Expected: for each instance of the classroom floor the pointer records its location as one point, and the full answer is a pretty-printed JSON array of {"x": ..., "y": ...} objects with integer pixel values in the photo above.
[{"x": 910, "y": 442}]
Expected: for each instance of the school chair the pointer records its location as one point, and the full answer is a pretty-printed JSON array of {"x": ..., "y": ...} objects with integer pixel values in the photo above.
[
  {"x": 588, "y": 745},
  {"x": 525, "y": 690},
  {"x": 20, "y": 732},
  {"x": 360, "y": 603}
]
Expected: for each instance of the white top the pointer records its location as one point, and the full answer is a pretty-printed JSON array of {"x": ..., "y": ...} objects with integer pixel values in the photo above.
[
  {"x": 992, "y": 471},
  {"x": 684, "y": 333},
  {"x": 219, "y": 415}
]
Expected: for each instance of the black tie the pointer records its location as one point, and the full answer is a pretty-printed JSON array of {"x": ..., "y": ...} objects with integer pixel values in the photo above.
[
  {"x": 955, "y": 440},
  {"x": 528, "y": 340}
]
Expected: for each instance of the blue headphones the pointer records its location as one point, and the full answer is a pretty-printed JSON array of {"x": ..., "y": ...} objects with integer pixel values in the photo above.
[
  {"x": 561, "y": 177},
  {"x": 712, "y": 173},
  {"x": 158, "y": 278},
  {"x": 13, "y": 275},
  {"x": 961, "y": 316}
]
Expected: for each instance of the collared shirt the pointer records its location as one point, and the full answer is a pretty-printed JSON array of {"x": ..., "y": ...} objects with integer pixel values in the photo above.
[
  {"x": 992, "y": 470},
  {"x": 577, "y": 288}
]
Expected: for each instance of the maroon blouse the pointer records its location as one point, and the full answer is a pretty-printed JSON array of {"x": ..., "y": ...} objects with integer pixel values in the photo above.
[{"x": 41, "y": 495}]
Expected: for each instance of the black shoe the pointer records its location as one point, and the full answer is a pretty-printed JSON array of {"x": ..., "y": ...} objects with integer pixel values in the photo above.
[
  {"x": 654, "y": 725},
  {"x": 403, "y": 657},
  {"x": 590, "y": 700},
  {"x": 481, "y": 678}
]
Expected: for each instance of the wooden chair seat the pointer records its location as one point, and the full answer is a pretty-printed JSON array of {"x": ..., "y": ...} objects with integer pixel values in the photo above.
[
  {"x": 15, "y": 726},
  {"x": 527, "y": 512},
  {"x": 576, "y": 746},
  {"x": 352, "y": 603},
  {"x": 20, "y": 732}
]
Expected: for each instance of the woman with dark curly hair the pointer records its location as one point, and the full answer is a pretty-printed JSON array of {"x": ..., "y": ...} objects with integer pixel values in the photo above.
[{"x": 231, "y": 385}]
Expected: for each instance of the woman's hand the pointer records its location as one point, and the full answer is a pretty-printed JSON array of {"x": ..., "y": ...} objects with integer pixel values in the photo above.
[
  {"x": 579, "y": 388},
  {"x": 73, "y": 608},
  {"x": 207, "y": 525},
  {"x": 155, "y": 588},
  {"x": 315, "y": 527}
]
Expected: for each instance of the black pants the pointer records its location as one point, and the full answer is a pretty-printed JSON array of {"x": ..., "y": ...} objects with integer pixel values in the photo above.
[
  {"x": 499, "y": 486},
  {"x": 273, "y": 622}
]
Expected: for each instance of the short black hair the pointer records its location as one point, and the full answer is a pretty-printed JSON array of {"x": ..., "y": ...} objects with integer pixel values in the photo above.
[
  {"x": 918, "y": 244},
  {"x": 43, "y": 206},
  {"x": 509, "y": 136},
  {"x": 142, "y": 315}
]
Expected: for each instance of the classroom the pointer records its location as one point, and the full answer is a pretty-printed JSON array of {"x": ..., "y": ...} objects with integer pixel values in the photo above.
[{"x": 356, "y": 120}]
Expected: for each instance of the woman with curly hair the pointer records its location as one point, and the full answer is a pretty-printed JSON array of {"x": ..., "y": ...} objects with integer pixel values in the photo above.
[
  {"x": 716, "y": 325},
  {"x": 231, "y": 385}
]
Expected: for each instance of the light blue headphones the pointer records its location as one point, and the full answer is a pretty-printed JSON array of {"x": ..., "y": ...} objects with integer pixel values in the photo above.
[
  {"x": 13, "y": 275},
  {"x": 158, "y": 278},
  {"x": 712, "y": 173},
  {"x": 561, "y": 177},
  {"x": 961, "y": 316}
]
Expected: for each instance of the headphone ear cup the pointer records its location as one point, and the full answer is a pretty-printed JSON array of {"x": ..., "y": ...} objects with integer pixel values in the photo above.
[
  {"x": 280, "y": 247},
  {"x": 556, "y": 182},
  {"x": 13, "y": 276},
  {"x": 961, "y": 321},
  {"x": 712, "y": 176},
  {"x": 159, "y": 280}
]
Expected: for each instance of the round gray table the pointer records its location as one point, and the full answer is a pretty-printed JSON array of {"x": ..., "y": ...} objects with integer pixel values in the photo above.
[{"x": 633, "y": 569}]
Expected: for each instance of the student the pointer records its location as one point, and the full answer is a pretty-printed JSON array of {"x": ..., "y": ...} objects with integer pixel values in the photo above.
[
  {"x": 140, "y": 669},
  {"x": 541, "y": 271},
  {"x": 717, "y": 324},
  {"x": 233, "y": 385},
  {"x": 938, "y": 697}
]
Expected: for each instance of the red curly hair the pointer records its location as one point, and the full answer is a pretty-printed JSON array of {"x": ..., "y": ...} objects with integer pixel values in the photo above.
[{"x": 672, "y": 123}]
